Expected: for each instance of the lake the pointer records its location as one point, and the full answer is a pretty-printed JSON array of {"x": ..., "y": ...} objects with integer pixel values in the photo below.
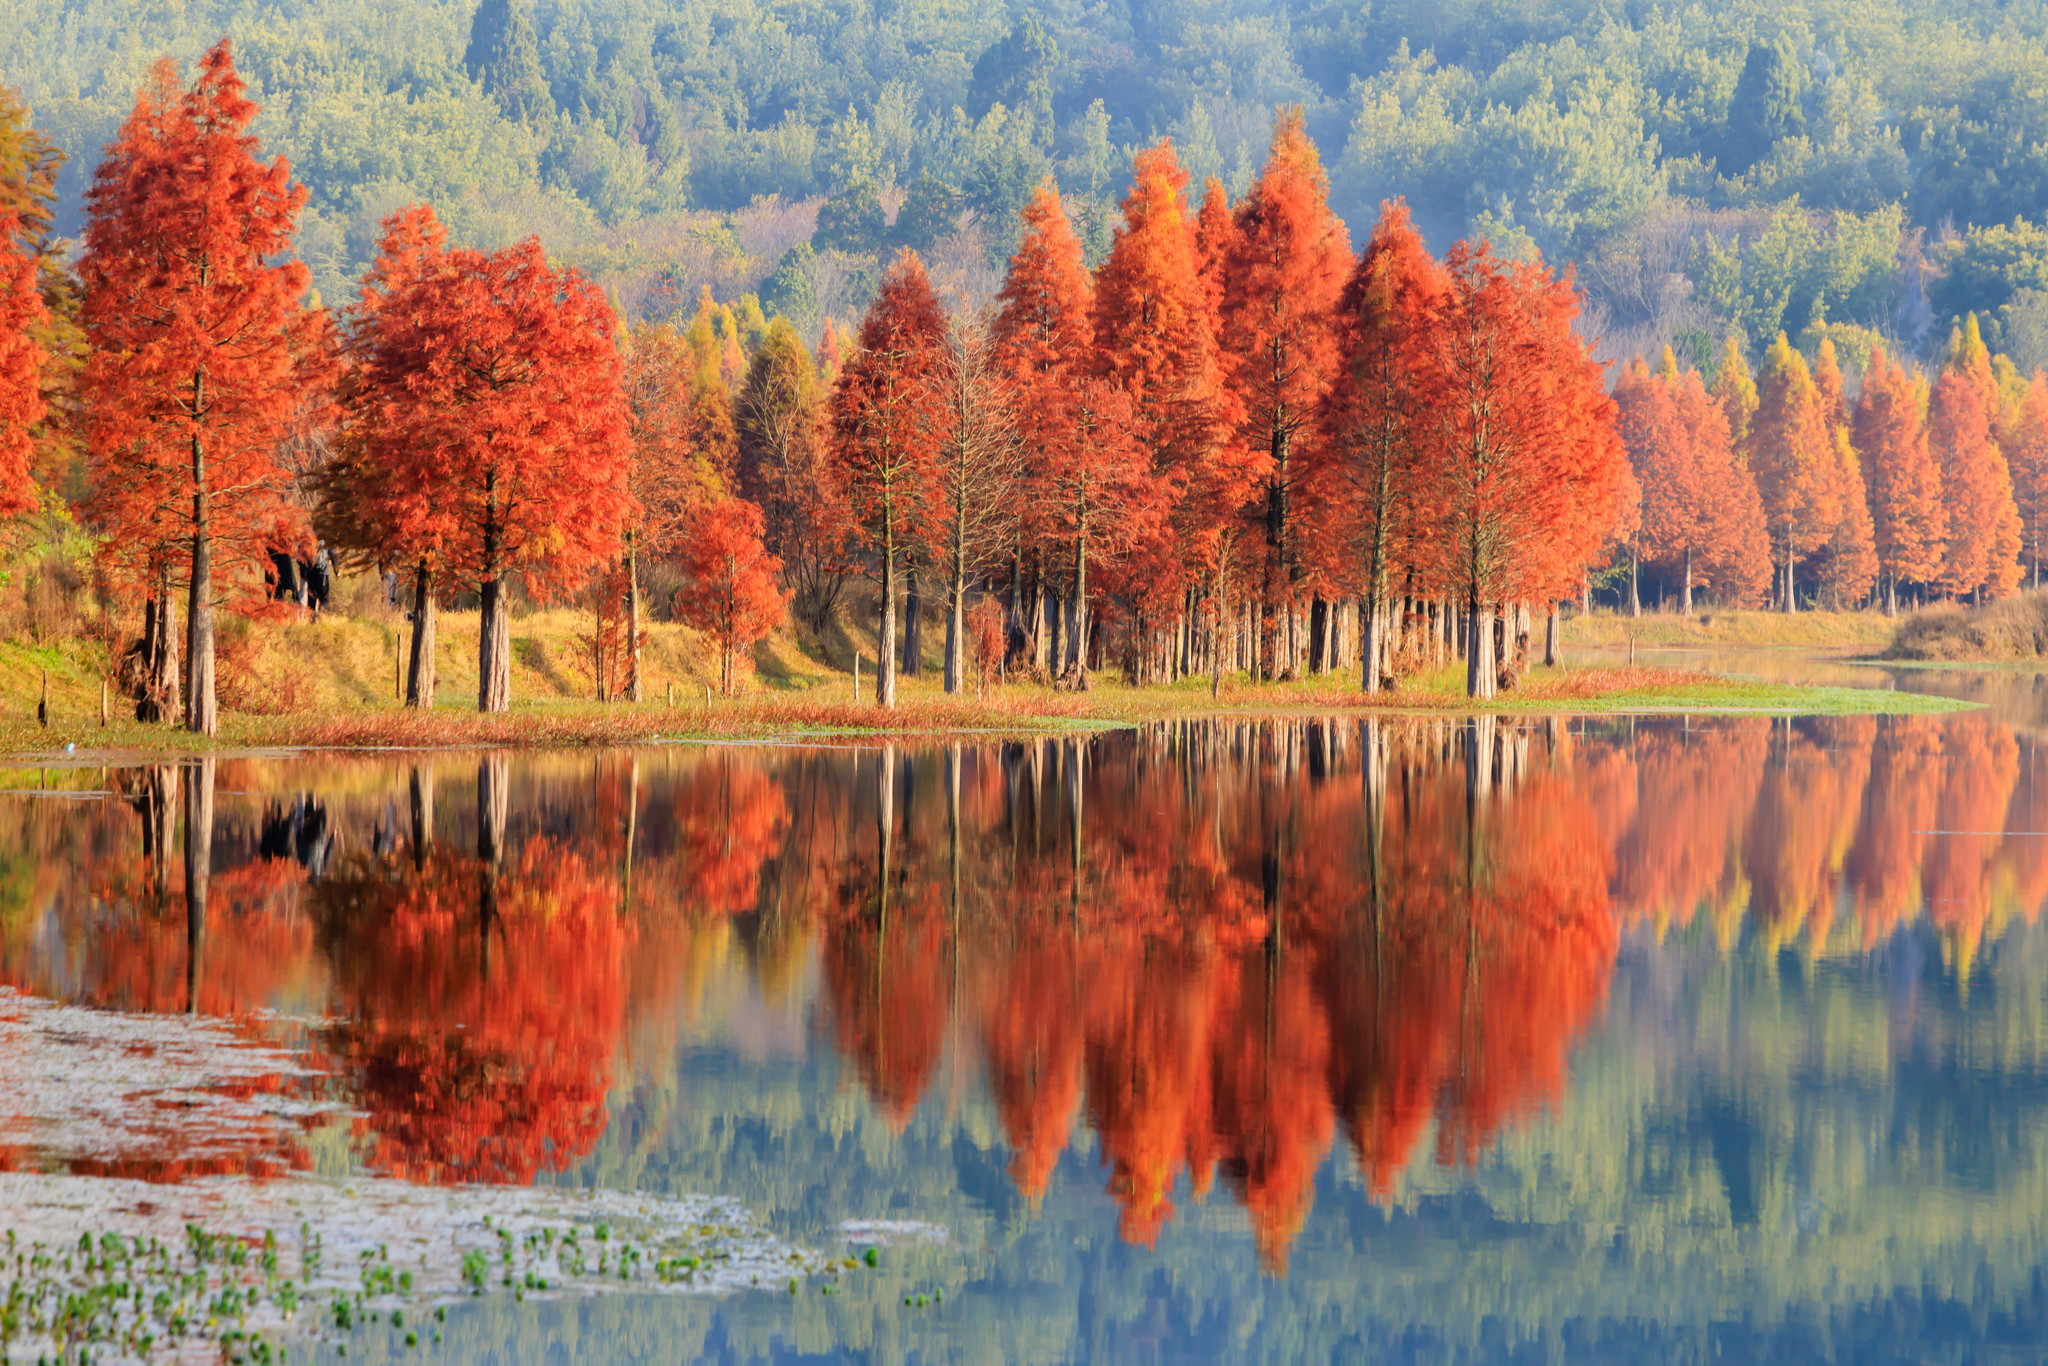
[{"x": 1266, "y": 1039}]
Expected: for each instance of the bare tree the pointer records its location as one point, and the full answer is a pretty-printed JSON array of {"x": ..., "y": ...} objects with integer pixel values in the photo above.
[{"x": 980, "y": 466}]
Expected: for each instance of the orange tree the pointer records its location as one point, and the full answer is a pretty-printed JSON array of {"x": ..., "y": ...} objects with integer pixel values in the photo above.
[
  {"x": 203, "y": 350},
  {"x": 491, "y": 428}
]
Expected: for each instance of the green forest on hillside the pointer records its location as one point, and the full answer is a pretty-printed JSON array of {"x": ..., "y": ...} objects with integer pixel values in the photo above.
[{"x": 1870, "y": 169}]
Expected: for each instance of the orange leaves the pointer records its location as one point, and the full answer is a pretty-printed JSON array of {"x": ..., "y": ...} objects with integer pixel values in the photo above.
[
  {"x": 22, "y": 360},
  {"x": 490, "y": 422},
  {"x": 732, "y": 592},
  {"x": 484, "y": 1008},
  {"x": 202, "y": 350}
]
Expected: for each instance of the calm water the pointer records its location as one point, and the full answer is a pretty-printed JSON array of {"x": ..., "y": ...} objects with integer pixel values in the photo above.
[{"x": 1587, "y": 1040}]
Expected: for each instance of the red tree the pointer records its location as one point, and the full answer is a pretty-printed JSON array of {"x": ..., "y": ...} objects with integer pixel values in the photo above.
[
  {"x": 1155, "y": 339},
  {"x": 1903, "y": 488},
  {"x": 884, "y": 434},
  {"x": 1528, "y": 463},
  {"x": 1369, "y": 457},
  {"x": 1793, "y": 456},
  {"x": 498, "y": 443},
  {"x": 202, "y": 347},
  {"x": 732, "y": 593},
  {"x": 22, "y": 314},
  {"x": 2026, "y": 451},
  {"x": 1286, "y": 266}
]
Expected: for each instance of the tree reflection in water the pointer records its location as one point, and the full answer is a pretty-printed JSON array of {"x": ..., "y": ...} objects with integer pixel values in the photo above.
[{"x": 1227, "y": 948}]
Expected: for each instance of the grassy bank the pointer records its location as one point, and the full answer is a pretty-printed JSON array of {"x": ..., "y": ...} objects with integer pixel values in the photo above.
[
  {"x": 2013, "y": 630},
  {"x": 1865, "y": 631},
  {"x": 828, "y": 709}
]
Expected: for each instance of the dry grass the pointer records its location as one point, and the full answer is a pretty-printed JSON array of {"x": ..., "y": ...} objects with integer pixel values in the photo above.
[
  {"x": 2016, "y": 628},
  {"x": 1732, "y": 626}
]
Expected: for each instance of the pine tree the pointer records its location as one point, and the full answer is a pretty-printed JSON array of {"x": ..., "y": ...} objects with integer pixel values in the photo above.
[
  {"x": 1851, "y": 568},
  {"x": 1909, "y": 521},
  {"x": 504, "y": 58},
  {"x": 1663, "y": 456},
  {"x": 1797, "y": 467},
  {"x": 203, "y": 352}
]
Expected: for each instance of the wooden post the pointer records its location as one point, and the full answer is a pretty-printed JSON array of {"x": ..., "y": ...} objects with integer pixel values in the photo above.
[
  {"x": 671, "y": 694},
  {"x": 398, "y": 665},
  {"x": 856, "y": 678},
  {"x": 43, "y": 707},
  {"x": 103, "y": 701}
]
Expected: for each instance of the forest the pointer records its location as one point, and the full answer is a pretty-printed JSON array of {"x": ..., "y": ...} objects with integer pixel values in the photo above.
[{"x": 1187, "y": 436}]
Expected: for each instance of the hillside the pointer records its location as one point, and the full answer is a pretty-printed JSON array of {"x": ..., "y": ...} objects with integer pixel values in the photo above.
[{"x": 1742, "y": 167}]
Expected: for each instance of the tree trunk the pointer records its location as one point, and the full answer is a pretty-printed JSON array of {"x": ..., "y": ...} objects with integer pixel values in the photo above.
[
  {"x": 1685, "y": 597},
  {"x": 956, "y": 625},
  {"x": 1374, "y": 611},
  {"x": 913, "y": 626},
  {"x": 1791, "y": 584},
  {"x": 632, "y": 622},
  {"x": 419, "y": 674},
  {"x": 201, "y": 709},
  {"x": 1479, "y": 670},
  {"x": 494, "y": 651},
  {"x": 1077, "y": 610},
  {"x": 198, "y": 870},
  {"x": 1891, "y": 591},
  {"x": 422, "y": 794},
  {"x": 1635, "y": 600},
  {"x": 885, "y": 656},
  {"x": 1552, "y": 654}
]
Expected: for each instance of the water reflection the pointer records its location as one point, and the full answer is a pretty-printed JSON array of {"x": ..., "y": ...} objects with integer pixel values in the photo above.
[{"x": 1210, "y": 956}]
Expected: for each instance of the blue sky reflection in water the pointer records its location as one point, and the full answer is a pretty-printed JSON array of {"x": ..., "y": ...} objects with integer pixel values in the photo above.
[{"x": 1265, "y": 1040}]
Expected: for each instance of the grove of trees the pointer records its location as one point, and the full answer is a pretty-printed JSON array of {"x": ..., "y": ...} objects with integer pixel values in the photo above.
[{"x": 1228, "y": 445}]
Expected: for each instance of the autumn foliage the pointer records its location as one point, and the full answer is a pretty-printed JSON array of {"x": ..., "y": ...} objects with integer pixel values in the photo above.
[{"x": 731, "y": 591}]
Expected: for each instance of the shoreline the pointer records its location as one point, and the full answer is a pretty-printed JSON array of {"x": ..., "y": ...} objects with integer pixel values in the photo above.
[{"x": 1015, "y": 710}]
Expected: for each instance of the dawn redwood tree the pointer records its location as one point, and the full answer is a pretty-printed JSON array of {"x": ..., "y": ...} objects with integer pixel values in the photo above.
[
  {"x": 1973, "y": 480},
  {"x": 1155, "y": 339},
  {"x": 22, "y": 360},
  {"x": 732, "y": 589},
  {"x": 1850, "y": 569},
  {"x": 1043, "y": 336},
  {"x": 1797, "y": 469},
  {"x": 1374, "y": 437},
  {"x": 39, "y": 336},
  {"x": 784, "y": 469},
  {"x": 884, "y": 435},
  {"x": 203, "y": 350},
  {"x": 502, "y": 441},
  {"x": 1909, "y": 520},
  {"x": 1664, "y": 458},
  {"x": 2026, "y": 451},
  {"x": 1735, "y": 390},
  {"x": 1286, "y": 264},
  {"x": 1529, "y": 467},
  {"x": 1735, "y": 547},
  {"x": 977, "y": 477},
  {"x": 358, "y": 510},
  {"x": 681, "y": 429}
]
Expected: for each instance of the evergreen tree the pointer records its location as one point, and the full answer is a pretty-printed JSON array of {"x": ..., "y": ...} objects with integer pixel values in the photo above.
[
  {"x": 504, "y": 59},
  {"x": 1768, "y": 106}
]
